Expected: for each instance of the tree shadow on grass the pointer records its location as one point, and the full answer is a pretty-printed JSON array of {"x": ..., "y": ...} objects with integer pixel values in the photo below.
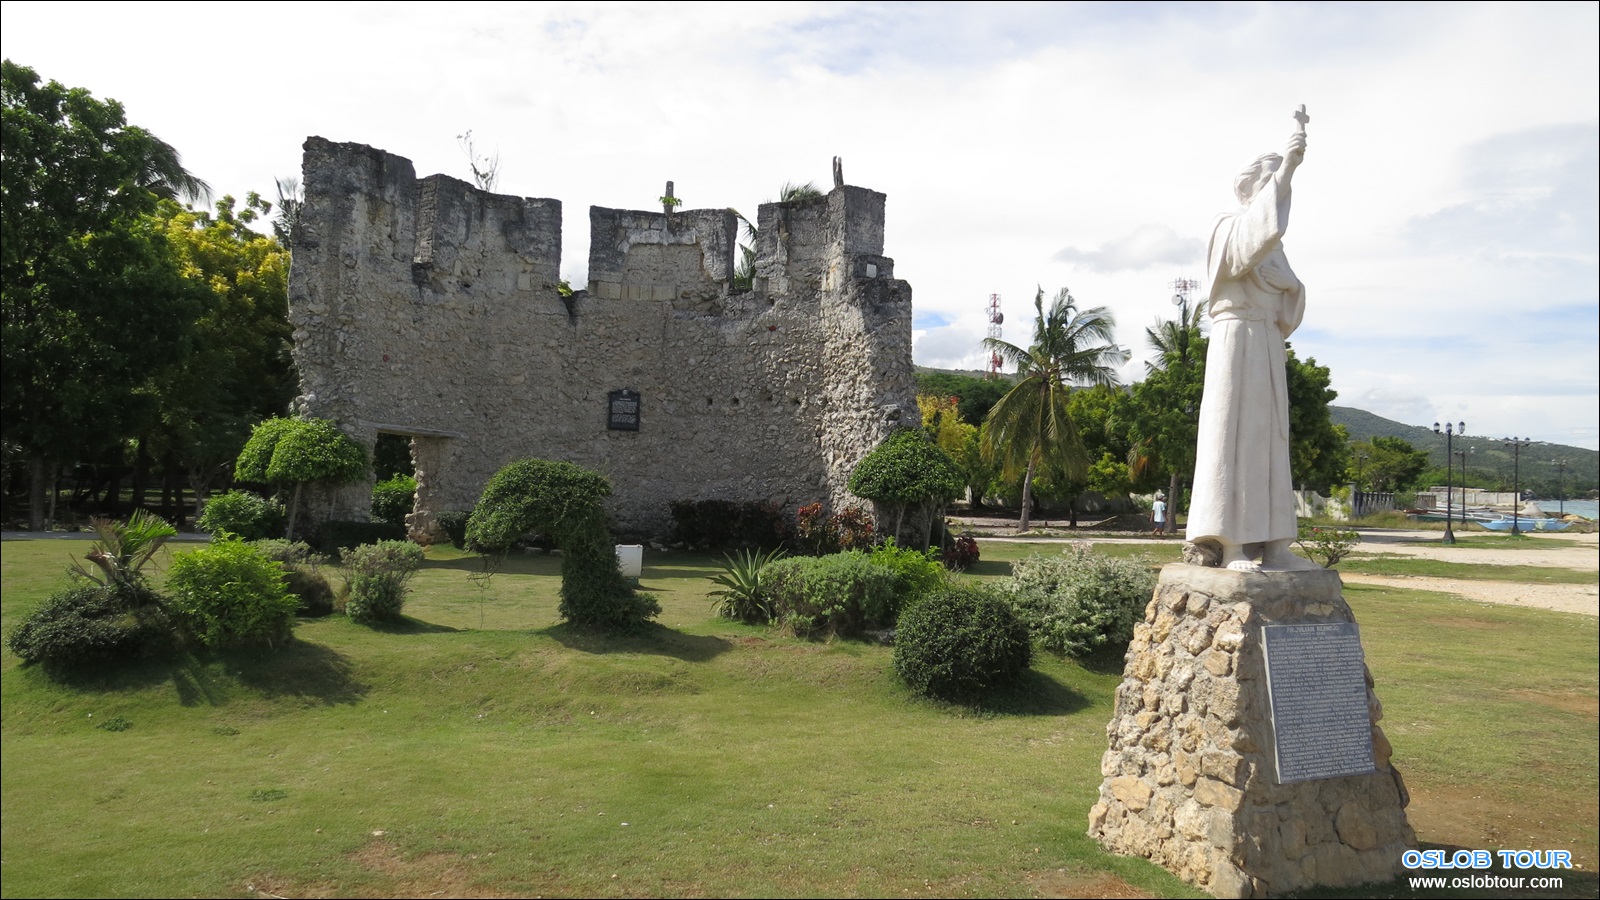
[
  {"x": 211, "y": 678},
  {"x": 408, "y": 625},
  {"x": 653, "y": 639},
  {"x": 310, "y": 672},
  {"x": 1107, "y": 660},
  {"x": 514, "y": 563},
  {"x": 1034, "y": 694},
  {"x": 996, "y": 567}
]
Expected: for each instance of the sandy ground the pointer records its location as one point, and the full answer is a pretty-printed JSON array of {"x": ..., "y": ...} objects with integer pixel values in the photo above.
[{"x": 1577, "y": 551}]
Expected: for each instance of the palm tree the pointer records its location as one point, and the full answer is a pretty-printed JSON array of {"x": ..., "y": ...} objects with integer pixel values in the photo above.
[
  {"x": 161, "y": 172},
  {"x": 1178, "y": 344},
  {"x": 1175, "y": 339},
  {"x": 1031, "y": 425}
]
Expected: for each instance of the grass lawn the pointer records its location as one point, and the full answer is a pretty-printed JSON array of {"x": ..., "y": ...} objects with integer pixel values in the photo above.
[
  {"x": 1395, "y": 564},
  {"x": 483, "y": 749}
]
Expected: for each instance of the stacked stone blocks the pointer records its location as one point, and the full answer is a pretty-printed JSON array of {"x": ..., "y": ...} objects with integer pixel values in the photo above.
[{"x": 1189, "y": 776}]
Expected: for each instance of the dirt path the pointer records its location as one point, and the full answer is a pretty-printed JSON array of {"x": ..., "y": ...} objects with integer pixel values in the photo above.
[
  {"x": 1573, "y": 598},
  {"x": 1579, "y": 551}
]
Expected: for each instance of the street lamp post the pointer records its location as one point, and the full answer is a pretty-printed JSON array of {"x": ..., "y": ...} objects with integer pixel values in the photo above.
[
  {"x": 1450, "y": 430},
  {"x": 1515, "y": 445},
  {"x": 1561, "y": 484},
  {"x": 1461, "y": 455}
]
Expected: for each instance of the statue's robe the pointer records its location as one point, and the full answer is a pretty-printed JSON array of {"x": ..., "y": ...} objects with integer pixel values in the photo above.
[{"x": 1242, "y": 489}]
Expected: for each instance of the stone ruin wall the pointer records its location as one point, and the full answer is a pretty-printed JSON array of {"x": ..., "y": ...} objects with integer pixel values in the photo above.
[{"x": 429, "y": 308}]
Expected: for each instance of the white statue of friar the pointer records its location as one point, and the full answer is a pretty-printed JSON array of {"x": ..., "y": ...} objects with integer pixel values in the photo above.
[{"x": 1243, "y": 501}]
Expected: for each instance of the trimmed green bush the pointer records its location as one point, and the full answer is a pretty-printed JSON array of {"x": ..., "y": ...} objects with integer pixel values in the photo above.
[
  {"x": 844, "y": 593},
  {"x": 961, "y": 643},
  {"x": 563, "y": 502},
  {"x": 91, "y": 625},
  {"x": 910, "y": 477},
  {"x": 298, "y": 452},
  {"x": 1079, "y": 600},
  {"x": 241, "y": 514},
  {"x": 392, "y": 500},
  {"x": 378, "y": 575},
  {"x": 230, "y": 593}
]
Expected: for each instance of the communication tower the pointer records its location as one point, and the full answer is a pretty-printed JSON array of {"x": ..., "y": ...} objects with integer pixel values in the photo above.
[{"x": 996, "y": 318}]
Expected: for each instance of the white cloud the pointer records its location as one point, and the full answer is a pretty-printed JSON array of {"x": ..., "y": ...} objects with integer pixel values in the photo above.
[
  {"x": 1145, "y": 247},
  {"x": 1441, "y": 221}
]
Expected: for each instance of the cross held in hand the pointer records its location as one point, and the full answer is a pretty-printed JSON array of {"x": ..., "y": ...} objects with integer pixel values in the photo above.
[{"x": 1301, "y": 117}]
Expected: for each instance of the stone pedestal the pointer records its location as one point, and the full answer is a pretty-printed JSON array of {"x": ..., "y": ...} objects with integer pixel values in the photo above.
[{"x": 1190, "y": 776}]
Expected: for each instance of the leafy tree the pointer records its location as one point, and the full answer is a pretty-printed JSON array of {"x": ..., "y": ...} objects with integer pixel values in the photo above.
[
  {"x": 1178, "y": 339},
  {"x": 905, "y": 474},
  {"x": 1162, "y": 420},
  {"x": 92, "y": 298},
  {"x": 974, "y": 396},
  {"x": 1386, "y": 464},
  {"x": 1318, "y": 449},
  {"x": 1032, "y": 426},
  {"x": 239, "y": 370},
  {"x": 960, "y": 441}
]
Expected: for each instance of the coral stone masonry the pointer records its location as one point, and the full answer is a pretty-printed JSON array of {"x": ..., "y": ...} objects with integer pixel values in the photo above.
[
  {"x": 1190, "y": 778},
  {"x": 430, "y": 309}
]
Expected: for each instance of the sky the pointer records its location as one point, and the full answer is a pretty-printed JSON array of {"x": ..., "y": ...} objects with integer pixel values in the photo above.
[{"x": 1446, "y": 220}]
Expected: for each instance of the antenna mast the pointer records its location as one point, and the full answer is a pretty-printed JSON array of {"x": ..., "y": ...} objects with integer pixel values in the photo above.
[{"x": 995, "y": 320}]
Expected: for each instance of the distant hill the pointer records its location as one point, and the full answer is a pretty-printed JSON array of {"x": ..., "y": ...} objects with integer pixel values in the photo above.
[{"x": 1486, "y": 455}]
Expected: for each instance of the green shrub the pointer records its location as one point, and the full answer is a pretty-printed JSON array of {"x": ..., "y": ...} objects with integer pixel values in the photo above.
[
  {"x": 961, "y": 643},
  {"x": 1326, "y": 545},
  {"x": 241, "y": 514},
  {"x": 302, "y": 572},
  {"x": 918, "y": 573},
  {"x": 230, "y": 593},
  {"x": 378, "y": 574},
  {"x": 1079, "y": 600},
  {"x": 454, "y": 524},
  {"x": 91, "y": 625},
  {"x": 337, "y": 536},
  {"x": 392, "y": 500},
  {"x": 564, "y": 502},
  {"x": 844, "y": 593},
  {"x": 742, "y": 595}
]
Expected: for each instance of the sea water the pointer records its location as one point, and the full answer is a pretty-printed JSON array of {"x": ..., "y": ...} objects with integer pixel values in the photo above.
[{"x": 1589, "y": 509}]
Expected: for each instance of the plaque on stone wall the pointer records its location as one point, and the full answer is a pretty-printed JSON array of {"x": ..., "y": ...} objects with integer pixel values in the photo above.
[
  {"x": 623, "y": 410},
  {"x": 1316, "y": 681}
]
